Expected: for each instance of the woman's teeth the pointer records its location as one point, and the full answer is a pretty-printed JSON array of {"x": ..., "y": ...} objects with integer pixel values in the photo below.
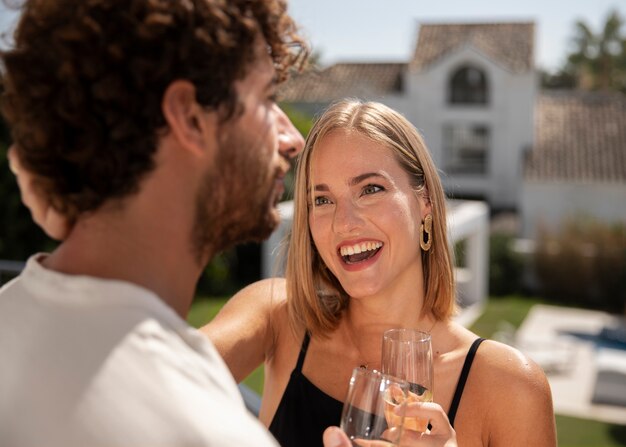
[
  {"x": 359, "y": 248},
  {"x": 359, "y": 252}
]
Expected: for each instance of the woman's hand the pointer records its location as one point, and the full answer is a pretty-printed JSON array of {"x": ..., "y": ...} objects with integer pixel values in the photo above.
[
  {"x": 441, "y": 433},
  {"x": 335, "y": 437},
  {"x": 53, "y": 223}
]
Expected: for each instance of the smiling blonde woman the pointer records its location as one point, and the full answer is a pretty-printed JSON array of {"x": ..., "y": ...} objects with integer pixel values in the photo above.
[{"x": 368, "y": 251}]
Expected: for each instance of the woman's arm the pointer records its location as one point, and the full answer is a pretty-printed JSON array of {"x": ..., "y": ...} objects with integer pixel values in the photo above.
[{"x": 244, "y": 331}]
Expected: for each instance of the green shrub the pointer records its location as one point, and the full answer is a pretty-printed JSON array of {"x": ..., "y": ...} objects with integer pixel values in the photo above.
[
  {"x": 218, "y": 278},
  {"x": 505, "y": 266},
  {"x": 583, "y": 264}
]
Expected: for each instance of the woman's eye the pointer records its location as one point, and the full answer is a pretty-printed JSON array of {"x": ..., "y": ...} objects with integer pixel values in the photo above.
[
  {"x": 321, "y": 201},
  {"x": 371, "y": 189}
]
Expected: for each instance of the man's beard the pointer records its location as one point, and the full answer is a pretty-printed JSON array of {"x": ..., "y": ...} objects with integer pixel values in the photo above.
[{"x": 235, "y": 202}]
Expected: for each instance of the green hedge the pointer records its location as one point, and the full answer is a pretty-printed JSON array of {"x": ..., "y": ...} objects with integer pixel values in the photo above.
[{"x": 583, "y": 263}]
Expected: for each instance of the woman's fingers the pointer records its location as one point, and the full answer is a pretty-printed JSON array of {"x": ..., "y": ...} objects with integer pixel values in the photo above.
[
  {"x": 335, "y": 437},
  {"x": 441, "y": 433}
]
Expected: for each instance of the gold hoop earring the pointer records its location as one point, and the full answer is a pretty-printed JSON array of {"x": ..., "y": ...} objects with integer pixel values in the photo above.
[{"x": 426, "y": 233}]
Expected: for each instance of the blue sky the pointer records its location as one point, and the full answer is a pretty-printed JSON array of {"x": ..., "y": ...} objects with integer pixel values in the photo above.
[{"x": 386, "y": 30}]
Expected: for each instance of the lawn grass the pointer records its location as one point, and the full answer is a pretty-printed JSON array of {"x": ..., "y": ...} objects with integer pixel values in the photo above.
[
  {"x": 572, "y": 432},
  {"x": 575, "y": 432},
  {"x": 509, "y": 309}
]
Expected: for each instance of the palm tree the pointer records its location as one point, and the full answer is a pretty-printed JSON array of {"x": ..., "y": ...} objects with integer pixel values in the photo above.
[
  {"x": 599, "y": 60},
  {"x": 580, "y": 62},
  {"x": 609, "y": 49}
]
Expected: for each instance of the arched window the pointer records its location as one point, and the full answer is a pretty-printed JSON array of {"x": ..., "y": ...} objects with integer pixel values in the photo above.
[{"x": 468, "y": 85}]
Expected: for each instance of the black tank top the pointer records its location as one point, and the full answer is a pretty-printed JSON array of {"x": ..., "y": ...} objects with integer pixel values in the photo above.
[{"x": 305, "y": 411}]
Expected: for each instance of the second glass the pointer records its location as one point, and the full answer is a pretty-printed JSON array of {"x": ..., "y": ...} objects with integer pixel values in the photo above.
[
  {"x": 370, "y": 415},
  {"x": 408, "y": 354}
]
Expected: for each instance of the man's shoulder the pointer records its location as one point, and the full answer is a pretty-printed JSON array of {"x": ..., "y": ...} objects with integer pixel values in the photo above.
[
  {"x": 180, "y": 377},
  {"x": 154, "y": 384}
]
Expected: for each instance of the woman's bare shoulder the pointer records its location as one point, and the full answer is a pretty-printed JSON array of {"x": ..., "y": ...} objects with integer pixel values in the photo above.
[
  {"x": 514, "y": 395},
  {"x": 257, "y": 300},
  {"x": 269, "y": 298},
  {"x": 502, "y": 370},
  {"x": 260, "y": 305},
  {"x": 504, "y": 361},
  {"x": 269, "y": 291}
]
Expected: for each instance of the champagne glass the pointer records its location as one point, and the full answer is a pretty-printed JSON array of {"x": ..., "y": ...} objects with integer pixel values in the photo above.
[
  {"x": 369, "y": 415},
  {"x": 408, "y": 354}
]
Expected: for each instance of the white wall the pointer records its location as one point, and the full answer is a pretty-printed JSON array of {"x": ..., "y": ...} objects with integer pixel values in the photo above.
[
  {"x": 549, "y": 203},
  {"x": 509, "y": 115}
]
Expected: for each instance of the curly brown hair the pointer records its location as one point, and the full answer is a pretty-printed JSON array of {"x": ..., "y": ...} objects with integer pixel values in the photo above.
[{"x": 84, "y": 83}]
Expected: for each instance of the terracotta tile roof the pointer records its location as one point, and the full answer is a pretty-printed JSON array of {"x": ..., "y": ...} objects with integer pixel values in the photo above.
[
  {"x": 363, "y": 80},
  {"x": 579, "y": 136},
  {"x": 509, "y": 44}
]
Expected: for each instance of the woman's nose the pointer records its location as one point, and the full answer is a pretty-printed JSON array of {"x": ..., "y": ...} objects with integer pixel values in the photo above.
[{"x": 347, "y": 218}]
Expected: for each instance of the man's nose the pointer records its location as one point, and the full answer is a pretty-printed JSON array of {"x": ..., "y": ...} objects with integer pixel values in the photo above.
[{"x": 290, "y": 141}]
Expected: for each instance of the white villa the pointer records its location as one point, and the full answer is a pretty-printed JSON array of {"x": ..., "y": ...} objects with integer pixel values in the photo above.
[{"x": 472, "y": 90}]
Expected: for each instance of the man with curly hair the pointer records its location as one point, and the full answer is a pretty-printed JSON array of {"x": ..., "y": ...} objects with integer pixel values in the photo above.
[{"x": 151, "y": 126}]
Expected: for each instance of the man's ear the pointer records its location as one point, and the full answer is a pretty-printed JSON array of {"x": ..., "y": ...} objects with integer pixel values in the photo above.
[{"x": 186, "y": 119}]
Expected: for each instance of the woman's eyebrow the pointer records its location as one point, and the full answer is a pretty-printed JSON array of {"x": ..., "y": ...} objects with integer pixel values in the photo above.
[
  {"x": 354, "y": 181},
  {"x": 359, "y": 178}
]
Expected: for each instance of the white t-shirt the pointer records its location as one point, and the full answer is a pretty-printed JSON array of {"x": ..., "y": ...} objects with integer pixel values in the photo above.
[{"x": 92, "y": 362}]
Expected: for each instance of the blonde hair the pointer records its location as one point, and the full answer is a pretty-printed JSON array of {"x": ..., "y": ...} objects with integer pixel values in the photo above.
[{"x": 316, "y": 298}]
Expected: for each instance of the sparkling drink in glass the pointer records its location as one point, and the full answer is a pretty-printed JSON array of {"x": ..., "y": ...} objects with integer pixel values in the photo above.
[
  {"x": 369, "y": 416},
  {"x": 407, "y": 354}
]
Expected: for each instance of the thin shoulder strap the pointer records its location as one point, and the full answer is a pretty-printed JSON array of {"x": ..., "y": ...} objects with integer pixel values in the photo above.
[
  {"x": 460, "y": 386},
  {"x": 303, "y": 349}
]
